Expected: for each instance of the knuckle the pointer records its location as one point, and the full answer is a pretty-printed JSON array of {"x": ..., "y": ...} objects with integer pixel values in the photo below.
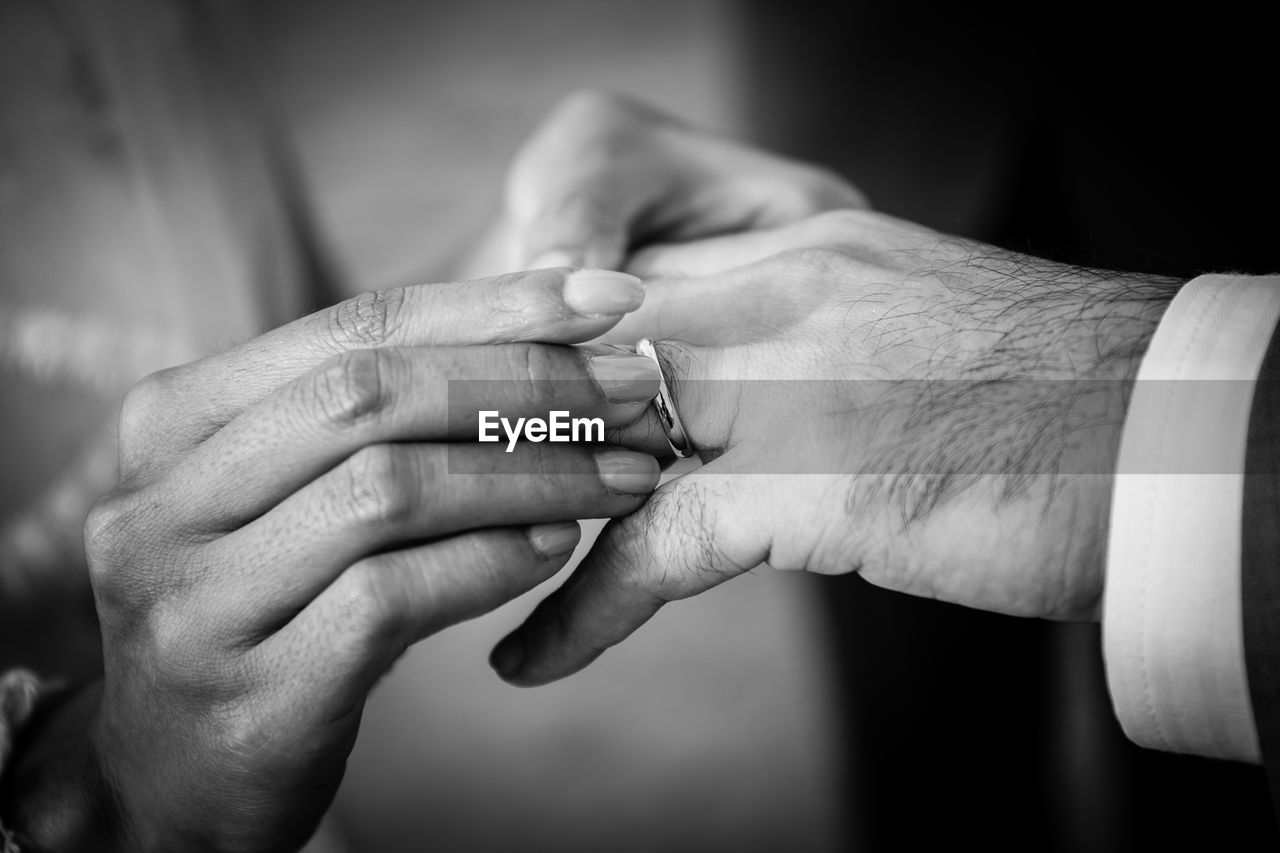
[
  {"x": 491, "y": 557},
  {"x": 107, "y": 531},
  {"x": 591, "y": 108},
  {"x": 687, "y": 546},
  {"x": 532, "y": 363},
  {"x": 368, "y": 319},
  {"x": 177, "y": 642},
  {"x": 558, "y": 472},
  {"x": 519, "y": 299},
  {"x": 147, "y": 402},
  {"x": 505, "y": 564},
  {"x": 134, "y": 560},
  {"x": 378, "y": 490},
  {"x": 375, "y": 613},
  {"x": 130, "y": 551},
  {"x": 633, "y": 575},
  {"x": 352, "y": 386},
  {"x": 534, "y": 301}
]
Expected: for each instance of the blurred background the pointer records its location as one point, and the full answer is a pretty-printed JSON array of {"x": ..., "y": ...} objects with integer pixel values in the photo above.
[{"x": 177, "y": 176}]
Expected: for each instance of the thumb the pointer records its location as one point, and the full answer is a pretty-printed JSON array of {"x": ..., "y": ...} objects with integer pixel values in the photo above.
[{"x": 693, "y": 533}]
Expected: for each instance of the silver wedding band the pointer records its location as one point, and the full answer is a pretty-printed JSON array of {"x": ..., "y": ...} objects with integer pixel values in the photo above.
[{"x": 665, "y": 406}]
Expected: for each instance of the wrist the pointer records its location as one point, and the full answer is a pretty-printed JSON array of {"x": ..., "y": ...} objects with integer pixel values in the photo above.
[{"x": 1123, "y": 318}]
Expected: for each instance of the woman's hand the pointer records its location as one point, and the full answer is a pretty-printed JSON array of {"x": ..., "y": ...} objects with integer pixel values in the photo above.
[
  {"x": 294, "y": 513},
  {"x": 605, "y": 175},
  {"x": 870, "y": 396}
]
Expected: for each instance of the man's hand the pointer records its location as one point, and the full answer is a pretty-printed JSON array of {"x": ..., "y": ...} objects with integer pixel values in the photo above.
[
  {"x": 937, "y": 415},
  {"x": 292, "y": 515},
  {"x": 605, "y": 174}
]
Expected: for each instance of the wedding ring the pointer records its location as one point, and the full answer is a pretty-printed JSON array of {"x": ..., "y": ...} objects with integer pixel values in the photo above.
[{"x": 665, "y": 406}]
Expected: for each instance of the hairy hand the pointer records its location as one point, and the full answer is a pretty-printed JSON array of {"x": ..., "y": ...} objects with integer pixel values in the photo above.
[{"x": 869, "y": 396}]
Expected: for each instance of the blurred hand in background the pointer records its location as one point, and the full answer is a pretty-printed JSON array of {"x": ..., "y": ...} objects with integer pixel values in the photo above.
[{"x": 605, "y": 174}]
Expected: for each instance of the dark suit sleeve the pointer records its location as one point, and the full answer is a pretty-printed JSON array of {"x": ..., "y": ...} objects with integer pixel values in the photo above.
[{"x": 1260, "y": 563}]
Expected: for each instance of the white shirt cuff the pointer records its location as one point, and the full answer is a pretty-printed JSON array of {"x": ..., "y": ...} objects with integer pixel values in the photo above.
[{"x": 1173, "y": 631}]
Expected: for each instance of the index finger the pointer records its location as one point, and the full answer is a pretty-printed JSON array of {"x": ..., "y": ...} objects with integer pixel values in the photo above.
[{"x": 549, "y": 306}]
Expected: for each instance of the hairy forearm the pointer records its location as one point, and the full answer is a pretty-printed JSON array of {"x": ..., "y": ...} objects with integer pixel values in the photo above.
[
  {"x": 1018, "y": 411},
  {"x": 1032, "y": 378}
]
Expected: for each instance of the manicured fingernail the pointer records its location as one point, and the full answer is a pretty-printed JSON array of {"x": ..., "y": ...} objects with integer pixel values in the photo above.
[
  {"x": 556, "y": 258},
  {"x": 624, "y": 377},
  {"x": 599, "y": 292},
  {"x": 555, "y": 540},
  {"x": 507, "y": 657},
  {"x": 628, "y": 473}
]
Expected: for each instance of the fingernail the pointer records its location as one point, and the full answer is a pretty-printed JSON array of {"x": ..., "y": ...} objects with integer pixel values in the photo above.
[
  {"x": 507, "y": 657},
  {"x": 555, "y": 540},
  {"x": 625, "y": 377},
  {"x": 597, "y": 292},
  {"x": 556, "y": 258},
  {"x": 628, "y": 473}
]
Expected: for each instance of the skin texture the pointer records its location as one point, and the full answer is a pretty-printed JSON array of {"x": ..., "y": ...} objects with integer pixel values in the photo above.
[
  {"x": 960, "y": 447},
  {"x": 292, "y": 514}
]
